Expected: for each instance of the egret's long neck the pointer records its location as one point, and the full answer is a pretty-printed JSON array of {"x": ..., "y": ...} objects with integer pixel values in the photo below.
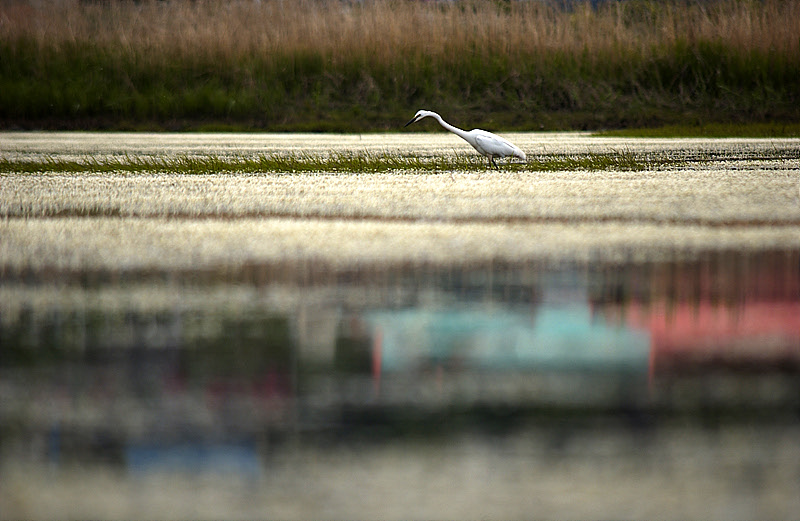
[{"x": 455, "y": 130}]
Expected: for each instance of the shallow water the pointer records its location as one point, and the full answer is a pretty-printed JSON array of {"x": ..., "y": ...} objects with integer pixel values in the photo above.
[{"x": 292, "y": 367}]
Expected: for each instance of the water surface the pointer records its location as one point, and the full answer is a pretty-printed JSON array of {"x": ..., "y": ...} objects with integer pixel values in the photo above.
[{"x": 416, "y": 360}]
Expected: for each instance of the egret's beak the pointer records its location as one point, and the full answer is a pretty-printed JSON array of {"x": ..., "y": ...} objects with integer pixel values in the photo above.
[{"x": 410, "y": 122}]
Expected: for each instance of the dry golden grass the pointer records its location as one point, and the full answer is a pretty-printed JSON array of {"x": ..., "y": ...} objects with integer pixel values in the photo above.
[
  {"x": 702, "y": 195},
  {"x": 382, "y": 30}
]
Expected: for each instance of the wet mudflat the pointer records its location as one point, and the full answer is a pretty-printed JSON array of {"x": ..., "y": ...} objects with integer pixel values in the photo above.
[{"x": 512, "y": 344}]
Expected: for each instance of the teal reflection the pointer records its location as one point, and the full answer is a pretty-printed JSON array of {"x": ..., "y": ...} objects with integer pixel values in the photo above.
[{"x": 564, "y": 337}]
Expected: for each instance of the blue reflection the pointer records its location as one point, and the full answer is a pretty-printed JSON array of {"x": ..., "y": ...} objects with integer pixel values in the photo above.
[
  {"x": 229, "y": 458},
  {"x": 564, "y": 337}
]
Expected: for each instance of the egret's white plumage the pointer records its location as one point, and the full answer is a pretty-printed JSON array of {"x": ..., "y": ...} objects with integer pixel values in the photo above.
[{"x": 486, "y": 143}]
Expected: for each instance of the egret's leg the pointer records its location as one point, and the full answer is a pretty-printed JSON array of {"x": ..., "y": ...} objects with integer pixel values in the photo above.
[{"x": 491, "y": 158}]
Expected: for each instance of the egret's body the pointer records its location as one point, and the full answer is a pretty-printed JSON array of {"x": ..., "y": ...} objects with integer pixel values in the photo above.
[{"x": 486, "y": 143}]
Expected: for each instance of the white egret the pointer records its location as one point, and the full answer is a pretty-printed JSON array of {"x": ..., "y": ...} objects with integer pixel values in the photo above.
[{"x": 486, "y": 143}]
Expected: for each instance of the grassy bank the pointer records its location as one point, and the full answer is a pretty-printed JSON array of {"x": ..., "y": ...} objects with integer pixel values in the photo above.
[{"x": 313, "y": 65}]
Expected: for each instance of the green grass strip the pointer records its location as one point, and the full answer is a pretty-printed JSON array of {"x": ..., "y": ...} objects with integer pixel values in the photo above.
[{"x": 345, "y": 162}]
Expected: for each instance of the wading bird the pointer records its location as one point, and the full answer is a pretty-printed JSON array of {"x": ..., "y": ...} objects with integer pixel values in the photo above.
[{"x": 486, "y": 143}]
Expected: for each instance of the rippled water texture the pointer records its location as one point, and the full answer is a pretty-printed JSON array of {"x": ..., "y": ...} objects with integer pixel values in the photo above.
[{"x": 499, "y": 344}]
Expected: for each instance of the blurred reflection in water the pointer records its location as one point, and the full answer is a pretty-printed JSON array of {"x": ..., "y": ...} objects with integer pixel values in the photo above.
[{"x": 265, "y": 369}]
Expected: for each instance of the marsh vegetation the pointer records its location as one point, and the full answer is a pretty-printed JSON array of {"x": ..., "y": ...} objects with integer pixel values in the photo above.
[
  {"x": 344, "y": 162},
  {"x": 356, "y": 66},
  {"x": 193, "y": 200}
]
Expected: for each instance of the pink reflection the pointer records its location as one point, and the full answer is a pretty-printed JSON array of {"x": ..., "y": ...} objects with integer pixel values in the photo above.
[
  {"x": 754, "y": 334},
  {"x": 738, "y": 312}
]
